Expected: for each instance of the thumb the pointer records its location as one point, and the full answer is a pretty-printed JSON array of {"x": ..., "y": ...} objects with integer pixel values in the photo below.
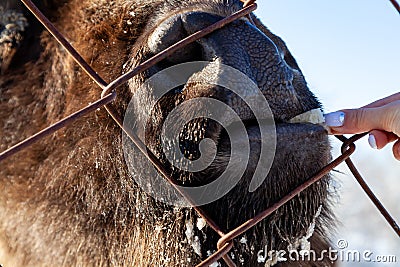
[{"x": 353, "y": 121}]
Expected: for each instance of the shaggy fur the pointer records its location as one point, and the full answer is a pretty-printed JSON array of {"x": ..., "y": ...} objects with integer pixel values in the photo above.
[{"x": 70, "y": 200}]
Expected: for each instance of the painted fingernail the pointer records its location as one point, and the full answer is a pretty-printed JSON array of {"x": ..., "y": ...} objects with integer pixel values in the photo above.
[
  {"x": 372, "y": 141},
  {"x": 334, "y": 119}
]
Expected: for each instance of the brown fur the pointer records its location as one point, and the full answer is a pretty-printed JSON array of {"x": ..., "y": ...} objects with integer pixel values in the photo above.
[{"x": 69, "y": 200}]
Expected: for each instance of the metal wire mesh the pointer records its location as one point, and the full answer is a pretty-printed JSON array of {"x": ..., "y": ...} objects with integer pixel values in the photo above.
[{"x": 109, "y": 94}]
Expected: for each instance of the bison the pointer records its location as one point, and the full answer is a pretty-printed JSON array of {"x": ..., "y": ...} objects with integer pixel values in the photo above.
[{"x": 73, "y": 199}]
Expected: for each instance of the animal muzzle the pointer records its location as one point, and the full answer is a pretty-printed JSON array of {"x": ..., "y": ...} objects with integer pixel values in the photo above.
[{"x": 239, "y": 45}]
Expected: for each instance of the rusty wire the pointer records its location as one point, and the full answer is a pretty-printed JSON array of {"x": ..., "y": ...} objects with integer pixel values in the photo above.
[
  {"x": 396, "y": 5},
  {"x": 109, "y": 94}
]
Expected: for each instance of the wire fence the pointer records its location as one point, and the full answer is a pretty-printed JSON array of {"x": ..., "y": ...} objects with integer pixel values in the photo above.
[{"x": 109, "y": 94}]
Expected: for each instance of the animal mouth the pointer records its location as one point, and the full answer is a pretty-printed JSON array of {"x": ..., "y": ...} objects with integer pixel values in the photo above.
[{"x": 295, "y": 138}]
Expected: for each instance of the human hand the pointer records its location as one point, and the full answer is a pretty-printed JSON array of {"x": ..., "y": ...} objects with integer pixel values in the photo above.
[{"x": 380, "y": 118}]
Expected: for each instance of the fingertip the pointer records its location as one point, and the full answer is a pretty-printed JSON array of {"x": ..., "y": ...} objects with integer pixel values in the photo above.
[
  {"x": 379, "y": 139},
  {"x": 348, "y": 121},
  {"x": 335, "y": 119}
]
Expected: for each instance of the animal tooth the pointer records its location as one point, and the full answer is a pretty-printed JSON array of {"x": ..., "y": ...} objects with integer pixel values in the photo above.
[{"x": 314, "y": 116}]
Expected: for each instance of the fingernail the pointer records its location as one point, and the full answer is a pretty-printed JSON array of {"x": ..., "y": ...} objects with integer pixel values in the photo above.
[
  {"x": 372, "y": 141},
  {"x": 334, "y": 119}
]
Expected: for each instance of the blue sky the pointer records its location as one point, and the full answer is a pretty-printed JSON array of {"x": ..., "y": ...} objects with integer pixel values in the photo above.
[
  {"x": 349, "y": 51},
  {"x": 344, "y": 47}
]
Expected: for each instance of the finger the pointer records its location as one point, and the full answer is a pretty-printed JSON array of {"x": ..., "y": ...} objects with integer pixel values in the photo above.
[
  {"x": 384, "y": 101},
  {"x": 353, "y": 121},
  {"x": 379, "y": 139},
  {"x": 396, "y": 150}
]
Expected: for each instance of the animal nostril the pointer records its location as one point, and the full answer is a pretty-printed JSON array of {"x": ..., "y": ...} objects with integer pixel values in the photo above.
[
  {"x": 168, "y": 33},
  {"x": 196, "y": 21}
]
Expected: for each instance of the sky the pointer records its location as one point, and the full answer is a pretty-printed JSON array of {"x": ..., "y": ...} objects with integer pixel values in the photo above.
[{"x": 349, "y": 52}]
